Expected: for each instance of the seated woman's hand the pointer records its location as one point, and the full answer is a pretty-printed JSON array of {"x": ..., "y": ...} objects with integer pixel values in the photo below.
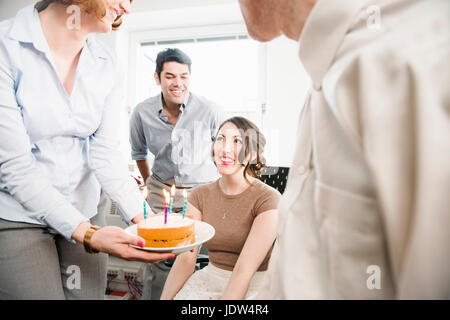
[{"x": 115, "y": 241}]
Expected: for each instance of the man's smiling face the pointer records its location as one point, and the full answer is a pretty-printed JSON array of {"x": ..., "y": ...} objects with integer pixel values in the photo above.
[{"x": 174, "y": 82}]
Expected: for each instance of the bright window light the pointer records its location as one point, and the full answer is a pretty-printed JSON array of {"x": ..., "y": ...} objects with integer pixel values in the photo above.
[{"x": 224, "y": 69}]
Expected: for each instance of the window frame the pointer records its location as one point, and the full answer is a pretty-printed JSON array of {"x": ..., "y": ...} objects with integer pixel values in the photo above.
[{"x": 136, "y": 38}]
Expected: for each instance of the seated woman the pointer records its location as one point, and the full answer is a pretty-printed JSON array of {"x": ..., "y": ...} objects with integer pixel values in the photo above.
[{"x": 242, "y": 209}]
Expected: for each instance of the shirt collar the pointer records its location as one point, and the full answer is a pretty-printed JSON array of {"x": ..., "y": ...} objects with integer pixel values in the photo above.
[
  {"x": 323, "y": 33},
  {"x": 182, "y": 106},
  {"x": 27, "y": 28}
]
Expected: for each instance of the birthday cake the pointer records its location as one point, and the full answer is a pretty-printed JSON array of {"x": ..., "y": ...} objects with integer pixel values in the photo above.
[{"x": 178, "y": 231}]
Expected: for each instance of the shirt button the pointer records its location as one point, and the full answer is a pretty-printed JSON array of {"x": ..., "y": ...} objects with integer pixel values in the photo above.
[{"x": 302, "y": 170}]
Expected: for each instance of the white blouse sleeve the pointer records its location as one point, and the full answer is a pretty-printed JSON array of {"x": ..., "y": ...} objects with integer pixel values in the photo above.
[
  {"x": 19, "y": 174},
  {"x": 108, "y": 163}
]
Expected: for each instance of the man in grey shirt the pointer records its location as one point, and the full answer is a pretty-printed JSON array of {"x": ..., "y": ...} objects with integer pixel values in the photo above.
[{"x": 178, "y": 128}]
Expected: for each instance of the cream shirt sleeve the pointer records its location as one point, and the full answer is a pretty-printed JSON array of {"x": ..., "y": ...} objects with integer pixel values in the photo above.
[{"x": 400, "y": 111}]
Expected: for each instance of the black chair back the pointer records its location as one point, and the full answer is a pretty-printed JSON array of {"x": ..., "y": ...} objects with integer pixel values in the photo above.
[{"x": 275, "y": 177}]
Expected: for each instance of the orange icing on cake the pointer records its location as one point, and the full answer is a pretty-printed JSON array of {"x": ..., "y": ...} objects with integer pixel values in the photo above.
[{"x": 177, "y": 231}]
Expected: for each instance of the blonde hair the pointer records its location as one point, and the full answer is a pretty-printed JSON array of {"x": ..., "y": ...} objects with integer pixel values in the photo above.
[{"x": 96, "y": 7}]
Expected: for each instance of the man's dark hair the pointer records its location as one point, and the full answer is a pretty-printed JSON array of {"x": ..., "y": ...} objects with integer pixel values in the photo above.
[{"x": 171, "y": 54}]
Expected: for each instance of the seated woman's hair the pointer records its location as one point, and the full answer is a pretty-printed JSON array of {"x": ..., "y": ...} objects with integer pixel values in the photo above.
[
  {"x": 253, "y": 144},
  {"x": 96, "y": 7}
]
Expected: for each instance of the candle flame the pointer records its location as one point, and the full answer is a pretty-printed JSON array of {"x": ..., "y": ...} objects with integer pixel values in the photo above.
[
  {"x": 184, "y": 193},
  {"x": 166, "y": 195},
  {"x": 145, "y": 192},
  {"x": 172, "y": 190}
]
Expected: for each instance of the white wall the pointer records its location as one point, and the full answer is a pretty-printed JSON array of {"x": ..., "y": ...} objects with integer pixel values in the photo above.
[
  {"x": 287, "y": 85},
  {"x": 152, "y": 5},
  {"x": 287, "y": 82},
  {"x": 9, "y": 8}
]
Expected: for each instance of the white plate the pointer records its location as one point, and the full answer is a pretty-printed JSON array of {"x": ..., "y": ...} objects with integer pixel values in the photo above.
[{"x": 203, "y": 233}]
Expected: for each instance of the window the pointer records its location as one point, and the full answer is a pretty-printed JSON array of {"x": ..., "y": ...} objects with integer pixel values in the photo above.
[{"x": 226, "y": 69}]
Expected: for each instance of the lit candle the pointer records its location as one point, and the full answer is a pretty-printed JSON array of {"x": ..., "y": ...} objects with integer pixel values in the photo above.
[
  {"x": 145, "y": 192},
  {"x": 185, "y": 202},
  {"x": 145, "y": 210},
  {"x": 171, "y": 198},
  {"x": 166, "y": 202}
]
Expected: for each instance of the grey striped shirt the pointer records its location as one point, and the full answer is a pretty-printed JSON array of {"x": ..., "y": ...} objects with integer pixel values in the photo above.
[{"x": 182, "y": 152}]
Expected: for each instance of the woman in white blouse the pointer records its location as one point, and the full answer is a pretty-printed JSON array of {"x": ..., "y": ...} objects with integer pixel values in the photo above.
[{"x": 60, "y": 104}]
